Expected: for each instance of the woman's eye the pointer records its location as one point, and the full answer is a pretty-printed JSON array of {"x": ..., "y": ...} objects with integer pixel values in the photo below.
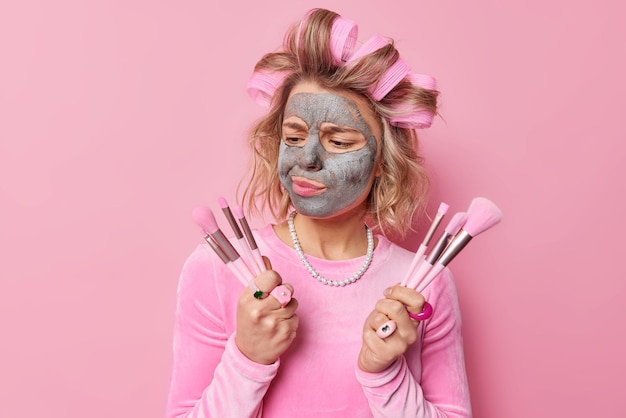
[
  {"x": 340, "y": 144},
  {"x": 293, "y": 140}
]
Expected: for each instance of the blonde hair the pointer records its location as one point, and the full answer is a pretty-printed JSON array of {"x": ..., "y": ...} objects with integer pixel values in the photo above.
[{"x": 399, "y": 193}]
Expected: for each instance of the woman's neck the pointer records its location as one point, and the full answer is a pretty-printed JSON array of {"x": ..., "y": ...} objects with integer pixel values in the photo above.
[{"x": 338, "y": 238}]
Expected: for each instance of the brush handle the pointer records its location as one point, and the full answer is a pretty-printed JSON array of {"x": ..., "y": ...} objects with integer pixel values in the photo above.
[
  {"x": 243, "y": 269},
  {"x": 248, "y": 232},
  {"x": 433, "y": 228},
  {"x": 432, "y": 273},
  {"x": 229, "y": 264},
  {"x": 247, "y": 256},
  {"x": 243, "y": 245},
  {"x": 243, "y": 278},
  {"x": 439, "y": 248},
  {"x": 231, "y": 220},
  {"x": 217, "y": 249},
  {"x": 417, "y": 260},
  {"x": 259, "y": 259},
  {"x": 454, "y": 248},
  {"x": 256, "y": 254},
  {"x": 230, "y": 251},
  {"x": 421, "y": 272}
]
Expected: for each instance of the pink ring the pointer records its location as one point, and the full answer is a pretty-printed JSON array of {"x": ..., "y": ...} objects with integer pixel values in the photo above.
[
  {"x": 426, "y": 313},
  {"x": 282, "y": 295},
  {"x": 386, "y": 329}
]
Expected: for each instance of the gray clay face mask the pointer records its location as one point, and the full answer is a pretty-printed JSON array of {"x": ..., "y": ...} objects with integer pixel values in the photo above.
[{"x": 339, "y": 179}]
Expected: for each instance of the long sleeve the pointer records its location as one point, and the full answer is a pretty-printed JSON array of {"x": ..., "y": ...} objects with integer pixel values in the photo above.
[
  {"x": 441, "y": 390},
  {"x": 210, "y": 377}
]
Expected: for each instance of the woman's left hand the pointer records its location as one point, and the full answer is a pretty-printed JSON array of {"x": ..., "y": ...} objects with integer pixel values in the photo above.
[{"x": 377, "y": 353}]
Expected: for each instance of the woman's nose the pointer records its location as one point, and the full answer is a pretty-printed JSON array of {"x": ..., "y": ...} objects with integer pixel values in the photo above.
[{"x": 311, "y": 154}]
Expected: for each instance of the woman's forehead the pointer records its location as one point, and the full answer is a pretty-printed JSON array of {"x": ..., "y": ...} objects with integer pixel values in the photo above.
[{"x": 315, "y": 105}]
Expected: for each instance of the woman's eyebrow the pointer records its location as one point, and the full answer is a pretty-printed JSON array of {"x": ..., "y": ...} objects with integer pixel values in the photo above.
[
  {"x": 339, "y": 129},
  {"x": 295, "y": 126}
]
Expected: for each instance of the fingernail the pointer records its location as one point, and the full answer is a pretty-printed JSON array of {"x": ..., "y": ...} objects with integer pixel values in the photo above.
[{"x": 388, "y": 291}]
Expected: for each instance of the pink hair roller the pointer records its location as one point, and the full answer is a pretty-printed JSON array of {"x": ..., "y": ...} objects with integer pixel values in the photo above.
[
  {"x": 343, "y": 38},
  {"x": 262, "y": 85},
  {"x": 394, "y": 74},
  {"x": 416, "y": 118},
  {"x": 419, "y": 119},
  {"x": 390, "y": 79},
  {"x": 422, "y": 80},
  {"x": 302, "y": 21},
  {"x": 372, "y": 44}
]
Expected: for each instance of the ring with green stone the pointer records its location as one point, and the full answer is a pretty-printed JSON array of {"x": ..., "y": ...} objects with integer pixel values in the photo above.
[{"x": 256, "y": 292}]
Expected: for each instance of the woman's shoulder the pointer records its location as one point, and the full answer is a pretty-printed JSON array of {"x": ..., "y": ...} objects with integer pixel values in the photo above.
[
  {"x": 392, "y": 250},
  {"x": 201, "y": 264}
]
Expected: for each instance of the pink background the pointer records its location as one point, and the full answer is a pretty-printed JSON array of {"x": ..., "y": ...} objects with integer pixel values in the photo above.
[{"x": 118, "y": 117}]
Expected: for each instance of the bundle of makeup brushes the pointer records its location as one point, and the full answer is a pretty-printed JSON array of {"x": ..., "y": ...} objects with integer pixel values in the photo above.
[
  {"x": 481, "y": 215},
  {"x": 246, "y": 263}
]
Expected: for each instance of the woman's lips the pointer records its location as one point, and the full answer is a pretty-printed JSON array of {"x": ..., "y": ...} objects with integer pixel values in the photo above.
[{"x": 307, "y": 188}]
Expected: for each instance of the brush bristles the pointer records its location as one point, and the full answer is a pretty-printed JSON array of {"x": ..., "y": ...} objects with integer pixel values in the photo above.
[
  {"x": 482, "y": 214},
  {"x": 205, "y": 219},
  {"x": 222, "y": 202},
  {"x": 443, "y": 208},
  {"x": 238, "y": 211},
  {"x": 456, "y": 222}
]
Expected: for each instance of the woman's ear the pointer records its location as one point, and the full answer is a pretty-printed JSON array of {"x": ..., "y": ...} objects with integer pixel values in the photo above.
[{"x": 378, "y": 169}]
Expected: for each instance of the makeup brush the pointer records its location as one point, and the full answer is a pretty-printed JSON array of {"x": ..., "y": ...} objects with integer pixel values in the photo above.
[
  {"x": 419, "y": 254},
  {"x": 456, "y": 222},
  {"x": 238, "y": 211},
  {"x": 222, "y": 255},
  {"x": 482, "y": 214},
  {"x": 245, "y": 252},
  {"x": 206, "y": 220}
]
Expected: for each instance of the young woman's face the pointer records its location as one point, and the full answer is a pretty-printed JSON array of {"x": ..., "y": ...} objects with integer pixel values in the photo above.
[{"x": 328, "y": 155}]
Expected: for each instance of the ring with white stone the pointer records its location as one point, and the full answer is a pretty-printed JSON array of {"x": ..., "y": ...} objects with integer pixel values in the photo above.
[{"x": 282, "y": 294}]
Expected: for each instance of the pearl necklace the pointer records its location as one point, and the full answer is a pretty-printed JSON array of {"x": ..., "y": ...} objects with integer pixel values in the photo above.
[{"x": 356, "y": 276}]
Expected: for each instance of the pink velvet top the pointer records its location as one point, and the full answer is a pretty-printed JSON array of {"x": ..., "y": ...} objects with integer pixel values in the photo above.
[{"x": 318, "y": 375}]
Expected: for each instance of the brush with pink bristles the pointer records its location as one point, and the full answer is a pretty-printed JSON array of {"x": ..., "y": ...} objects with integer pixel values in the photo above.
[
  {"x": 419, "y": 254},
  {"x": 246, "y": 253},
  {"x": 216, "y": 238},
  {"x": 456, "y": 222},
  {"x": 482, "y": 214}
]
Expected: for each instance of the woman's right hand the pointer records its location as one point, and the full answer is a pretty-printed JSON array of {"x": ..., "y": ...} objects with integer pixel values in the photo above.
[{"x": 265, "y": 329}]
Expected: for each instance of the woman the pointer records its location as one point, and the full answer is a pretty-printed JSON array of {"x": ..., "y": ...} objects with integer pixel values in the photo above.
[{"x": 335, "y": 153}]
